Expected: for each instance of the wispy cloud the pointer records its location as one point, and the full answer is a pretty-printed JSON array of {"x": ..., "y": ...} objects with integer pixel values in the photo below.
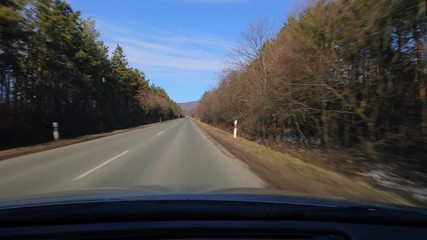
[
  {"x": 215, "y": 1},
  {"x": 142, "y": 57},
  {"x": 185, "y": 64},
  {"x": 156, "y": 48}
]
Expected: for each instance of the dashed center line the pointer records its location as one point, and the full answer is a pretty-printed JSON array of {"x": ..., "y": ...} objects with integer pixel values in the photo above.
[
  {"x": 99, "y": 166},
  {"x": 160, "y": 133}
]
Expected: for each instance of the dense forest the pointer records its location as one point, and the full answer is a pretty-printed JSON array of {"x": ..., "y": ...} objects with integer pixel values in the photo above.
[
  {"x": 54, "y": 68},
  {"x": 344, "y": 73}
]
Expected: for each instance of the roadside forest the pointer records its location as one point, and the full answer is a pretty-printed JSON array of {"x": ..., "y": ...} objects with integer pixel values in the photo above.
[
  {"x": 54, "y": 68},
  {"x": 342, "y": 74}
]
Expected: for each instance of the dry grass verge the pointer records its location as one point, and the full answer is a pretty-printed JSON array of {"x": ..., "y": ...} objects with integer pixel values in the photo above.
[
  {"x": 294, "y": 175},
  {"x": 16, "y": 152}
]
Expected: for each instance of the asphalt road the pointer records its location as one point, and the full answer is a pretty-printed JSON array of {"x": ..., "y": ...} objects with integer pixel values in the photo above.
[{"x": 175, "y": 155}]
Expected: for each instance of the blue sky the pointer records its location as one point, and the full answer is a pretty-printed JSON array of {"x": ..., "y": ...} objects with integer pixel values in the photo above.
[{"x": 181, "y": 45}]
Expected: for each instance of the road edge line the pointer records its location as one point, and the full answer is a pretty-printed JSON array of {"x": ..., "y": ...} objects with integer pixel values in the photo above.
[{"x": 99, "y": 166}]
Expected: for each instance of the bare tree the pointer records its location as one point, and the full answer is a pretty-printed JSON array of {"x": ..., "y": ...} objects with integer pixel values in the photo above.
[{"x": 250, "y": 45}]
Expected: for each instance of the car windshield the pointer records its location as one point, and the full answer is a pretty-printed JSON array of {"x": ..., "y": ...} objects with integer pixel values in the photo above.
[{"x": 322, "y": 99}]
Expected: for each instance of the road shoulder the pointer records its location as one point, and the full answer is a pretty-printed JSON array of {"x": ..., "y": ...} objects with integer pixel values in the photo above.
[
  {"x": 16, "y": 152},
  {"x": 292, "y": 174}
]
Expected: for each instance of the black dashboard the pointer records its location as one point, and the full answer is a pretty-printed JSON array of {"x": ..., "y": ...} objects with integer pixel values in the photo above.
[
  {"x": 215, "y": 229},
  {"x": 208, "y": 217}
]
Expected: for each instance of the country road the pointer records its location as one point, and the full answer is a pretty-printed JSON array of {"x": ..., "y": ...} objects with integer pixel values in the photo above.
[{"x": 175, "y": 155}]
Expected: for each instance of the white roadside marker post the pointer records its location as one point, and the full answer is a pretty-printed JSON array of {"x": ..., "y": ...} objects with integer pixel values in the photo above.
[
  {"x": 235, "y": 129},
  {"x": 55, "y": 131}
]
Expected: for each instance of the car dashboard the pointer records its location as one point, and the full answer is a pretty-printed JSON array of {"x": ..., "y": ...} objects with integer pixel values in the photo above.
[{"x": 208, "y": 217}]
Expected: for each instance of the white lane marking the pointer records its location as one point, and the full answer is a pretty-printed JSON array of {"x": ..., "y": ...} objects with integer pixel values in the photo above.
[
  {"x": 158, "y": 134},
  {"x": 99, "y": 166}
]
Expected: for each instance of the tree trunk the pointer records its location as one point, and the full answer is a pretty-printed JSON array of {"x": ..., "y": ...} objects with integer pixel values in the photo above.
[
  {"x": 346, "y": 134},
  {"x": 420, "y": 79},
  {"x": 7, "y": 97},
  {"x": 325, "y": 123}
]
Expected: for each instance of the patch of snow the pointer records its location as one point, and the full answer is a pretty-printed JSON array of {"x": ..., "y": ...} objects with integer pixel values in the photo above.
[{"x": 390, "y": 179}]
